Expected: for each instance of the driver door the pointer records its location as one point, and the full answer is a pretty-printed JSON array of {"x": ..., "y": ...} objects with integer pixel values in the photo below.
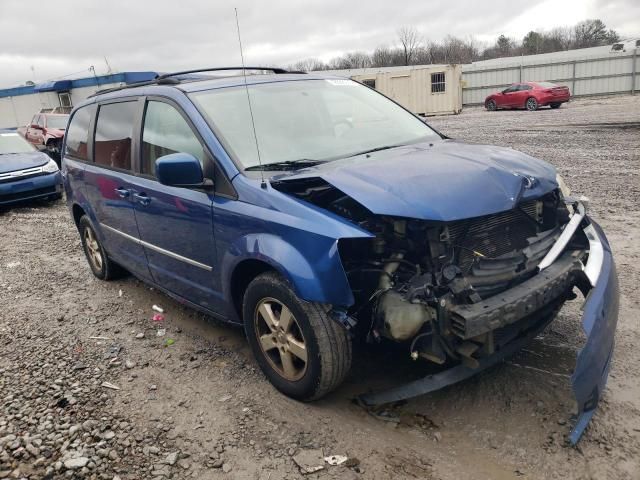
[
  {"x": 175, "y": 224},
  {"x": 509, "y": 96}
]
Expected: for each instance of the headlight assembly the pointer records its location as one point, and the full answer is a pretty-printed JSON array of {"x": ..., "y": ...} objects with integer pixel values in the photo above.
[
  {"x": 566, "y": 191},
  {"x": 50, "y": 167}
]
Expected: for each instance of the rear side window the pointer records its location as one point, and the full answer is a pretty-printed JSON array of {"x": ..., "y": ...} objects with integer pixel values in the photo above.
[
  {"x": 77, "y": 135},
  {"x": 165, "y": 132},
  {"x": 114, "y": 131}
]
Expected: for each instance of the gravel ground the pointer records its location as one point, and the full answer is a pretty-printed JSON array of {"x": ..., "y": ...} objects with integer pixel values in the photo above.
[{"x": 92, "y": 387}]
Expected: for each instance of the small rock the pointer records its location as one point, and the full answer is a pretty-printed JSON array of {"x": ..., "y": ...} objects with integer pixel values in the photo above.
[
  {"x": 437, "y": 436},
  {"x": 226, "y": 467},
  {"x": 140, "y": 335},
  {"x": 172, "y": 458},
  {"x": 76, "y": 463},
  {"x": 129, "y": 364}
]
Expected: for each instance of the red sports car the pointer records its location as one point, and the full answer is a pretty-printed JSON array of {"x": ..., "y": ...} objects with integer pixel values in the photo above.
[{"x": 529, "y": 95}]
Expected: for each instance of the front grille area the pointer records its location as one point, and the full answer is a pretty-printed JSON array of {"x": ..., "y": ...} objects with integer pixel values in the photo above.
[
  {"x": 27, "y": 194},
  {"x": 495, "y": 235}
]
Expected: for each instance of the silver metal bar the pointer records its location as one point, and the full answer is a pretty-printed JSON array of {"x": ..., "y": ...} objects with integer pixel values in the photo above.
[
  {"x": 564, "y": 238},
  {"x": 155, "y": 248},
  {"x": 596, "y": 255},
  {"x": 21, "y": 173}
]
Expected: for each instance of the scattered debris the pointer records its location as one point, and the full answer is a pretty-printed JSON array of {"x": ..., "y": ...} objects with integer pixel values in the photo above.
[
  {"x": 13, "y": 264},
  {"x": 157, "y": 309},
  {"x": 120, "y": 293},
  {"x": 336, "y": 459},
  {"x": 99, "y": 338},
  {"x": 309, "y": 461},
  {"x": 140, "y": 335},
  {"x": 153, "y": 387},
  {"x": 110, "y": 385},
  {"x": 157, "y": 317},
  {"x": 129, "y": 364},
  {"x": 168, "y": 342},
  {"x": 224, "y": 398},
  {"x": 161, "y": 332}
]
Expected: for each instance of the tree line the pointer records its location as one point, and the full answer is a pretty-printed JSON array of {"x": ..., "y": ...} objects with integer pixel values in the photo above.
[{"x": 412, "y": 49}]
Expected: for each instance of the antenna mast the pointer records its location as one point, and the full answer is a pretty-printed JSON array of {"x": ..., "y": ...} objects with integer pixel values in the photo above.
[{"x": 253, "y": 123}]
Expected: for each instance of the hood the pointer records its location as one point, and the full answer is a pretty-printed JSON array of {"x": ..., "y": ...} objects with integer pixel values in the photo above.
[
  {"x": 19, "y": 161},
  {"x": 443, "y": 181}
]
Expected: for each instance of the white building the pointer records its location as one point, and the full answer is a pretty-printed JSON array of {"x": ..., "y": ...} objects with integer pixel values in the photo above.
[
  {"x": 19, "y": 104},
  {"x": 423, "y": 89}
]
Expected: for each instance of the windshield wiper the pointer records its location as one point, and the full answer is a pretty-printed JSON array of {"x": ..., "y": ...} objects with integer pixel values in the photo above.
[
  {"x": 286, "y": 165},
  {"x": 376, "y": 149}
]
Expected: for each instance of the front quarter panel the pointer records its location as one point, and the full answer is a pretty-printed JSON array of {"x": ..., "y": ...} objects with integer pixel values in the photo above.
[{"x": 296, "y": 239}]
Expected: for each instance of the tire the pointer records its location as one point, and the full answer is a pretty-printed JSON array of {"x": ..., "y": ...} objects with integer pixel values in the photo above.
[
  {"x": 104, "y": 268},
  {"x": 555, "y": 105},
  {"x": 531, "y": 104},
  {"x": 491, "y": 106},
  {"x": 306, "y": 373}
]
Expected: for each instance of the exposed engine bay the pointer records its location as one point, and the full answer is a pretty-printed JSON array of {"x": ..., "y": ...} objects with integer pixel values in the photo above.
[{"x": 452, "y": 291}]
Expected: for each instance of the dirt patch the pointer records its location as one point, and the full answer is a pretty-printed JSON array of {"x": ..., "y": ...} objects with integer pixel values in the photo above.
[{"x": 200, "y": 408}]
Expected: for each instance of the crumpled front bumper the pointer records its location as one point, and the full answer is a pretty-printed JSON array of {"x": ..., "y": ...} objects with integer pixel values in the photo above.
[{"x": 599, "y": 319}]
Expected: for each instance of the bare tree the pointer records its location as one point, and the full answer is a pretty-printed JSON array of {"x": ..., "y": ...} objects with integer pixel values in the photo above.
[
  {"x": 308, "y": 65},
  {"x": 410, "y": 42},
  {"x": 592, "y": 33},
  {"x": 382, "y": 57}
]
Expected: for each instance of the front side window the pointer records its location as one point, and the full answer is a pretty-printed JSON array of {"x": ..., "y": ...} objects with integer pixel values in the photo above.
[
  {"x": 317, "y": 119},
  {"x": 13, "y": 143},
  {"x": 165, "y": 132},
  {"x": 77, "y": 136},
  {"x": 41, "y": 121},
  {"x": 114, "y": 131},
  {"x": 512, "y": 88}
]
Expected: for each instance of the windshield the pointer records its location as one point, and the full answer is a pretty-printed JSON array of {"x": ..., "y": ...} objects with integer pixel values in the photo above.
[
  {"x": 308, "y": 119},
  {"x": 57, "y": 121},
  {"x": 14, "y": 143}
]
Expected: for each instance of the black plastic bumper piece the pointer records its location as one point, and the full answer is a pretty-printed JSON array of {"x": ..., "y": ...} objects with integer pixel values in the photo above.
[{"x": 508, "y": 307}]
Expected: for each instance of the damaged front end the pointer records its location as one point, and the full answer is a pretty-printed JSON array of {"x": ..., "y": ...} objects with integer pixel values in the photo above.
[{"x": 470, "y": 292}]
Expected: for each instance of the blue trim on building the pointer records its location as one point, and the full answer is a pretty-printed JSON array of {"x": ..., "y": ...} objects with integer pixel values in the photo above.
[
  {"x": 63, "y": 85},
  {"x": 54, "y": 86}
]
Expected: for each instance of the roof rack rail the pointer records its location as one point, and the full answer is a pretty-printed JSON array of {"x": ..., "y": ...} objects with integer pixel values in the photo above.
[
  {"x": 167, "y": 78},
  {"x": 222, "y": 69}
]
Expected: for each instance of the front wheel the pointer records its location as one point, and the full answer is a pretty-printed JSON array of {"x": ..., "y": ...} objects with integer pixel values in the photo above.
[
  {"x": 491, "y": 106},
  {"x": 304, "y": 353},
  {"x": 531, "y": 104}
]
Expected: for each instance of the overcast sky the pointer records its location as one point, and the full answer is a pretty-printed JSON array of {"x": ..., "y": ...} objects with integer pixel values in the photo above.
[{"x": 44, "y": 40}]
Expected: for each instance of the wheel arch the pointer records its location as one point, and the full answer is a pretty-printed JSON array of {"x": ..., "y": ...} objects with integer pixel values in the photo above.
[{"x": 313, "y": 268}]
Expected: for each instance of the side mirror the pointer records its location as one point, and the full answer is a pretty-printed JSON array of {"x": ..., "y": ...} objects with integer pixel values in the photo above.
[{"x": 180, "y": 170}]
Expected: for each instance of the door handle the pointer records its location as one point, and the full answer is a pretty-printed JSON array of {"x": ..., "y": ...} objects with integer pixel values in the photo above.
[
  {"x": 122, "y": 192},
  {"x": 142, "y": 198}
]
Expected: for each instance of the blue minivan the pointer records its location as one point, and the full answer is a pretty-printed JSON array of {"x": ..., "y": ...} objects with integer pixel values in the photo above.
[{"x": 316, "y": 212}]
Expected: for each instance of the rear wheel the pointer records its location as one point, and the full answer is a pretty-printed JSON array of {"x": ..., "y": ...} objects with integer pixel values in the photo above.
[
  {"x": 555, "y": 105},
  {"x": 491, "y": 105},
  {"x": 531, "y": 104},
  {"x": 101, "y": 265},
  {"x": 303, "y": 352}
]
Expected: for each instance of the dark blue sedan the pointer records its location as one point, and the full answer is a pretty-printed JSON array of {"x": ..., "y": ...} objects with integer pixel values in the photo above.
[{"x": 26, "y": 173}]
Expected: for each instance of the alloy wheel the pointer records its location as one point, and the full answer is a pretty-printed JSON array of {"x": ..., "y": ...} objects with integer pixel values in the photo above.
[
  {"x": 93, "y": 248},
  {"x": 280, "y": 338}
]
